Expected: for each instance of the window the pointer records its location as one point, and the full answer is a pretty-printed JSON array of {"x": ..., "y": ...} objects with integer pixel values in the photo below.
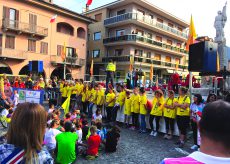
[
  {"x": 157, "y": 57},
  {"x": 138, "y": 52},
  {"x": 140, "y": 32},
  {"x": 10, "y": 42},
  {"x": 120, "y": 12},
  {"x": 118, "y": 52},
  {"x": 65, "y": 28},
  {"x": 180, "y": 29},
  {"x": 0, "y": 40},
  {"x": 141, "y": 12},
  {"x": 169, "y": 42},
  {"x": 59, "y": 50},
  {"x": 178, "y": 45},
  {"x": 98, "y": 17},
  {"x": 120, "y": 32},
  {"x": 159, "y": 20},
  {"x": 149, "y": 35},
  {"x": 96, "y": 53},
  {"x": 12, "y": 14},
  {"x": 81, "y": 33},
  {"x": 159, "y": 38},
  {"x": 177, "y": 60},
  {"x": 33, "y": 22},
  {"x": 44, "y": 48},
  {"x": 32, "y": 45},
  {"x": 97, "y": 36},
  {"x": 168, "y": 59},
  {"x": 170, "y": 25},
  {"x": 148, "y": 55},
  {"x": 70, "y": 52}
]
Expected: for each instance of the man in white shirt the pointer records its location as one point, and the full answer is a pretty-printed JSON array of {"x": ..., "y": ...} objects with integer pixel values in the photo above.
[{"x": 214, "y": 129}]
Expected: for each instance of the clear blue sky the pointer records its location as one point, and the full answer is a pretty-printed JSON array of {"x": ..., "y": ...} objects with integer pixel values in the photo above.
[{"x": 203, "y": 11}]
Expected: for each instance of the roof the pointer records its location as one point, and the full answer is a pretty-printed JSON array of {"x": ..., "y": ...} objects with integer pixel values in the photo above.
[
  {"x": 65, "y": 11},
  {"x": 146, "y": 4}
]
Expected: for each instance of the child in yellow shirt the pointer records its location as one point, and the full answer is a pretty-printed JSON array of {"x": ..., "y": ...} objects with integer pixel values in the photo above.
[
  {"x": 143, "y": 110},
  {"x": 127, "y": 111},
  {"x": 110, "y": 102},
  {"x": 100, "y": 97},
  {"x": 156, "y": 112},
  {"x": 169, "y": 114},
  {"x": 135, "y": 108}
]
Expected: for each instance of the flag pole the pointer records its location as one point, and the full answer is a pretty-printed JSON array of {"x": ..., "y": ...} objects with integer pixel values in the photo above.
[{"x": 50, "y": 47}]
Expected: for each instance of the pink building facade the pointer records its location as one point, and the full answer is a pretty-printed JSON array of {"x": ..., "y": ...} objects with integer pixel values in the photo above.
[{"x": 26, "y": 34}]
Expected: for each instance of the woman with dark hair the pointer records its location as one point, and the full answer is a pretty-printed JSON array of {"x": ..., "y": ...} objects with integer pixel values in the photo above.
[
  {"x": 211, "y": 98},
  {"x": 183, "y": 112},
  {"x": 196, "y": 109},
  {"x": 25, "y": 136}
]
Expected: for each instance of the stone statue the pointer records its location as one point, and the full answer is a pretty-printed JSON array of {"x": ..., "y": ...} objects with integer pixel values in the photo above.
[{"x": 219, "y": 24}]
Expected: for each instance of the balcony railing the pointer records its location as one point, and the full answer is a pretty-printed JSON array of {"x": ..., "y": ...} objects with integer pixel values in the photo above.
[
  {"x": 13, "y": 54},
  {"x": 139, "y": 59},
  {"x": 134, "y": 37},
  {"x": 22, "y": 27},
  {"x": 69, "y": 61},
  {"x": 145, "y": 19}
]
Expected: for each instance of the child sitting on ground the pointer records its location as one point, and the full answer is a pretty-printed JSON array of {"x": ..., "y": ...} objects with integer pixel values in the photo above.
[
  {"x": 79, "y": 131},
  {"x": 112, "y": 139},
  {"x": 101, "y": 131},
  {"x": 85, "y": 129},
  {"x": 93, "y": 144},
  {"x": 97, "y": 115}
]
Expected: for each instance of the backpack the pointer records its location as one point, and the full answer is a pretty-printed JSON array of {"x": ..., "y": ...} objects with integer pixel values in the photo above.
[{"x": 149, "y": 105}]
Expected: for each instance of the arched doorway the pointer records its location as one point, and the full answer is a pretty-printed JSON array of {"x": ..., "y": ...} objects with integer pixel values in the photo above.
[
  {"x": 59, "y": 73},
  {"x": 25, "y": 71},
  {"x": 5, "y": 69}
]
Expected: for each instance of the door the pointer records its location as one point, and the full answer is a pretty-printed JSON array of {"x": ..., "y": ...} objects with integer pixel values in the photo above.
[{"x": 33, "y": 23}]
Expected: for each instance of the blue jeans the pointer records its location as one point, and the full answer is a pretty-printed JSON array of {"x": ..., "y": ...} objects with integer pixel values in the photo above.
[
  {"x": 90, "y": 110},
  {"x": 143, "y": 123}
]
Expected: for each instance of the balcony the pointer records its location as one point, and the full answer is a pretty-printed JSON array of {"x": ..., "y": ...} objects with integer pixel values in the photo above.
[
  {"x": 12, "y": 54},
  {"x": 145, "y": 22},
  {"x": 69, "y": 61},
  {"x": 146, "y": 42},
  {"x": 26, "y": 28},
  {"x": 143, "y": 60}
]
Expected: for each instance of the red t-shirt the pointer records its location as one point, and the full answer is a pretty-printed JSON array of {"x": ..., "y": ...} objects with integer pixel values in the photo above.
[{"x": 93, "y": 145}]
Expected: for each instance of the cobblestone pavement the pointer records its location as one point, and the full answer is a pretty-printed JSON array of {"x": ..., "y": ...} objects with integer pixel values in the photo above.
[{"x": 140, "y": 148}]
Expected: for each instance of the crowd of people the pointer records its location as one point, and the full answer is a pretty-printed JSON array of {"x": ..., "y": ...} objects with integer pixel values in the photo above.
[{"x": 86, "y": 130}]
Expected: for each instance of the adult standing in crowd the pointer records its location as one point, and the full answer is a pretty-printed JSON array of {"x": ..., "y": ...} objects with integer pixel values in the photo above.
[
  {"x": 25, "y": 136},
  {"x": 110, "y": 70},
  {"x": 215, "y": 133},
  {"x": 183, "y": 114}
]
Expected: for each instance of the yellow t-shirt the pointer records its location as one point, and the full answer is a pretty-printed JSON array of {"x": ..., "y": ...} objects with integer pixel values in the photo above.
[
  {"x": 80, "y": 88},
  {"x": 76, "y": 88},
  {"x": 135, "y": 103},
  {"x": 182, "y": 100},
  {"x": 74, "y": 91},
  {"x": 88, "y": 94},
  {"x": 109, "y": 97},
  {"x": 100, "y": 97},
  {"x": 169, "y": 113},
  {"x": 61, "y": 85},
  {"x": 83, "y": 98},
  {"x": 157, "y": 110},
  {"x": 93, "y": 98},
  {"x": 121, "y": 98},
  {"x": 69, "y": 91},
  {"x": 64, "y": 92},
  {"x": 127, "y": 110},
  {"x": 143, "y": 101}
]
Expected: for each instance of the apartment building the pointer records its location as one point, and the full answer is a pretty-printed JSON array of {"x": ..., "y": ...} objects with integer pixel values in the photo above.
[
  {"x": 135, "y": 29},
  {"x": 26, "y": 34}
]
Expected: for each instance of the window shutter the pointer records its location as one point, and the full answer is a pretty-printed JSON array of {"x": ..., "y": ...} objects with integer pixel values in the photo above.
[
  {"x": 59, "y": 50},
  {"x": 6, "y": 12}
]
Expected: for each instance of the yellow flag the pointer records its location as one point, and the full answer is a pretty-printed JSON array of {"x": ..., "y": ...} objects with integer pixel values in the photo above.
[
  {"x": 151, "y": 73},
  {"x": 218, "y": 62},
  {"x": 66, "y": 105},
  {"x": 2, "y": 86},
  {"x": 63, "y": 54},
  {"x": 192, "y": 34},
  {"x": 91, "y": 68}
]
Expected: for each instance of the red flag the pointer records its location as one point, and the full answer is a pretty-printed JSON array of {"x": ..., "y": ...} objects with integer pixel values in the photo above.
[
  {"x": 89, "y": 2},
  {"x": 53, "y": 19}
]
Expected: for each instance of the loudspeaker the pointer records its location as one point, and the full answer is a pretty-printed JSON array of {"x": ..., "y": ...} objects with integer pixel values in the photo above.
[
  {"x": 203, "y": 57},
  {"x": 36, "y": 66}
]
